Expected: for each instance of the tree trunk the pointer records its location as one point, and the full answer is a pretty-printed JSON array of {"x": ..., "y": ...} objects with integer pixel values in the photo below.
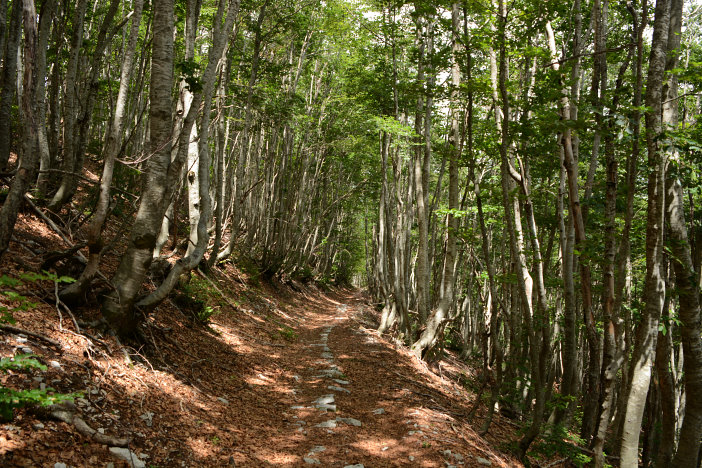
[
  {"x": 9, "y": 83},
  {"x": 27, "y": 167},
  {"x": 647, "y": 330},
  {"x": 118, "y": 305},
  {"x": 76, "y": 290}
]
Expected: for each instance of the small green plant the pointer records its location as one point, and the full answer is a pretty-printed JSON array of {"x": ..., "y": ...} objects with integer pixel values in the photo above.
[
  {"x": 288, "y": 333},
  {"x": 197, "y": 296},
  {"x": 215, "y": 440},
  {"x": 10, "y": 398},
  {"x": 561, "y": 442}
]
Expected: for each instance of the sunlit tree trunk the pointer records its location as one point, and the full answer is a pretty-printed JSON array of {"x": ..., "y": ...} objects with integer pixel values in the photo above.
[
  {"x": 112, "y": 148},
  {"x": 118, "y": 305}
]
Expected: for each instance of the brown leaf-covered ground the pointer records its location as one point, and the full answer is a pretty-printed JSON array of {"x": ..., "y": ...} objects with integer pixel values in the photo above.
[{"x": 227, "y": 394}]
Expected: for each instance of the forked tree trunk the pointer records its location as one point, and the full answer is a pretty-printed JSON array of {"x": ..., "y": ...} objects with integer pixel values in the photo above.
[{"x": 118, "y": 305}]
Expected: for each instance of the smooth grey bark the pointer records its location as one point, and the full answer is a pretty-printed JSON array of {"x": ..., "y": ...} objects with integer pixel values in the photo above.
[
  {"x": 9, "y": 83},
  {"x": 666, "y": 389},
  {"x": 645, "y": 344},
  {"x": 236, "y": 215},
  {"x": 27, "y": 167},
  {"x": 118, "y": 305},
  {"x": 76, "y": 290},
  {"x": 687, "y": 455},
  {"x": 421, "y": 191},
  {"x": 220, "y": 36},
  {"x": 436, "y": 322},
  {"x": 622, "y": 274}
]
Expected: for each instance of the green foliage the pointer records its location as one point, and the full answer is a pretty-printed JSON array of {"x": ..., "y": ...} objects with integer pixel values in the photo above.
[
  {"x": 199, "y": 298},
  {"x": 288, "y": 333},
  {"x": 559, "y": 442}
]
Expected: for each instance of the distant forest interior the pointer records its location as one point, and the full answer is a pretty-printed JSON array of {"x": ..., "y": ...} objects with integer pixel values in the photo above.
[{"x": 515, "y": 183}]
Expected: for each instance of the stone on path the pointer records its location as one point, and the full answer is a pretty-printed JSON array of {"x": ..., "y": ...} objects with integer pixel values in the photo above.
[
  {"x": 311, "y": 461},
  {"x": 338, "y": 389},
  {"x": 358, "y": 465},
  {"x": 327, "y": 424},
  {"x": 350, "y": 421},
  {"x": 60, "y": 465},
  {"x": 379, "y": 411},
  {"x": 129, "y": 456},
  {"x": 317, "y": 449},
  {"x": 483, "y": 461},
  {"x": 341, "y": 382},
  {"x": 326, "y": 355},
  {"x": 325, "y": 400}
]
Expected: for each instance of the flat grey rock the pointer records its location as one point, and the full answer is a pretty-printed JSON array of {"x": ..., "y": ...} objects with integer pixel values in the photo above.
[
  {"x": 327, "y": 424},
  {"x": 341, "y": 382},
  {"x": 128, "y": 455},
  {"x": 326, "y": 355},
  {"x": 325, "y": 400},
  {"x": 318, "y": 449},
  {"x": 27, "y": 350},
  {"x": 338, "y": 389},
  {"x": 483, "y": 461},
  {"x": 60, "y": 465},
  {"x": 223, "y": 400},
  {"x": 297, "y": 407},
  {"x": 358, "y": 465},
  {"x": 379, "y": 411},
  {"x": 350, "y": 421},
  {"x": 311, "y": 461}
]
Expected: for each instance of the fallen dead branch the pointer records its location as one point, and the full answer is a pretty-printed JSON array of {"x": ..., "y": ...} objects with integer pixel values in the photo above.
[{"x": 17, "y": 331}]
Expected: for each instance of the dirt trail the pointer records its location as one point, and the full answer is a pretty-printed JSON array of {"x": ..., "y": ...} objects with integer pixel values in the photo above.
[
  {"x": 281, "y": 378},
  {"x": 360, "y": 401}
]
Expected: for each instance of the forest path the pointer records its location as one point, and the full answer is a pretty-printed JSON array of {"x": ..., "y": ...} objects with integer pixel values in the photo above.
[
  {"x": 358, "y": 400},
  {"x": 277, "y": 378}
]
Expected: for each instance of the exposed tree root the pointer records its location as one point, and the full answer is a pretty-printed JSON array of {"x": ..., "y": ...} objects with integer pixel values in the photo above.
[{"x": 81, "y": 426}]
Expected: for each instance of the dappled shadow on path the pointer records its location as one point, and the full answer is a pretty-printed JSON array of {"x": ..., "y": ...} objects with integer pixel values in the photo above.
[{"x": 236, "y": 393}]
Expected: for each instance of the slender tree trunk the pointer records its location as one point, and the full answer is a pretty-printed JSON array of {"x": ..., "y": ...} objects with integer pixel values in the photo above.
[
  {"x": 76, "y": 290},
  {"x": 27, "y": 167},
  {"x": 647, "y": 330},
  {"x": 9, "y": 83},
  {"x": 70, "y": 102},
  {"x": 191, "y": 260}
]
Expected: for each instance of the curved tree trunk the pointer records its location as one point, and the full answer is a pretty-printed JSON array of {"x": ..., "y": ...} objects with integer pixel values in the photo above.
[{"x": 118, "y": 305}]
